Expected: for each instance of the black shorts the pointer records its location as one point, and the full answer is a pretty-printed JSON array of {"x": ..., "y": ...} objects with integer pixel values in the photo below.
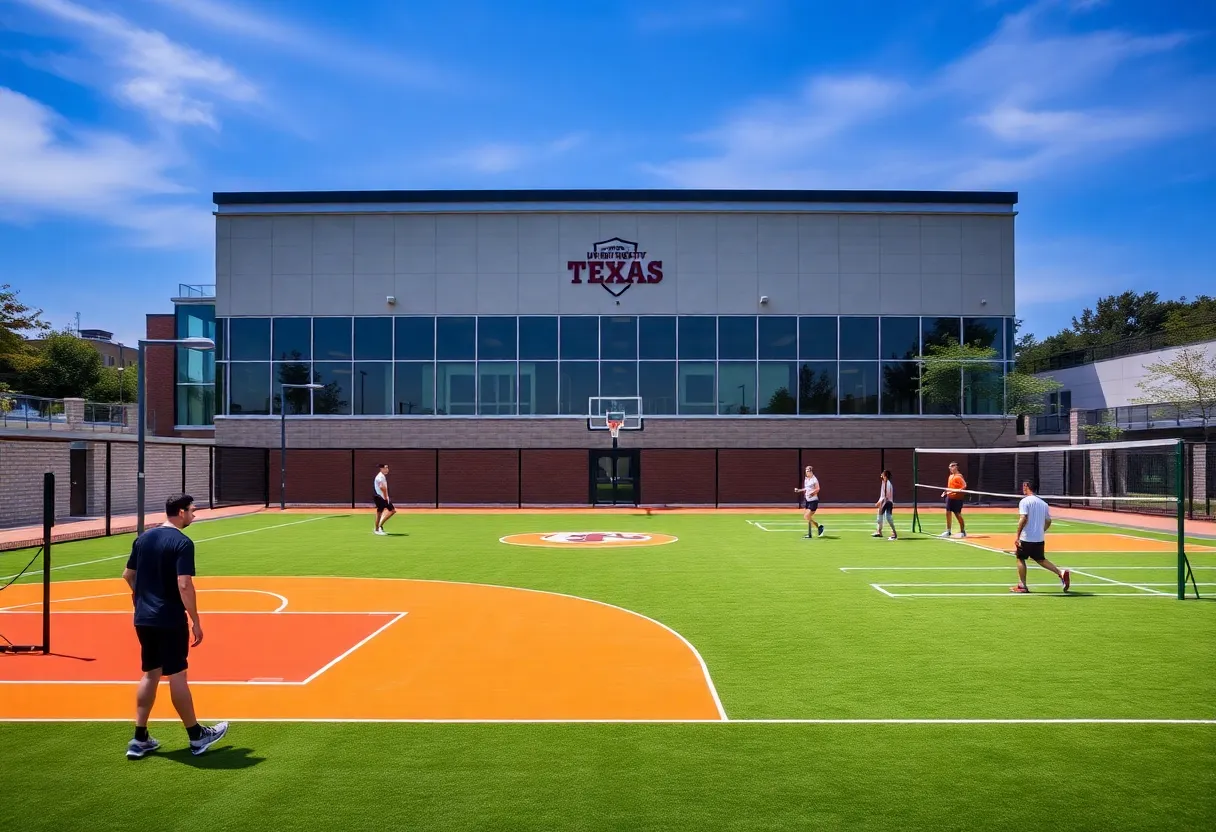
[
  {"x": 954, "y": 505},
  {"x": 383, "y": 504},
  {"x": 1034, "y": 551},
  {"x": 163, "y": 648},
  {"x": 811, "y": 504}
]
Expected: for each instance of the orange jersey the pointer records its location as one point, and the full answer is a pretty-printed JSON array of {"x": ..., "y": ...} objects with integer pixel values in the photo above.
[{"x": 954, "y": 484}]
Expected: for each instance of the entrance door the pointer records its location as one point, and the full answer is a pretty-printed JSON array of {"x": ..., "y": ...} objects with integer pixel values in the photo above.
[
  {"x": 78, "y": 473},
  {"x": 615, "y": 485}
]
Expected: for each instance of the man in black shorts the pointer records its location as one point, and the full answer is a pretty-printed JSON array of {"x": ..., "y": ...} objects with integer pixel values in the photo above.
[
  {"x": 160, "y": 573},
  {"x": 1034, "y": 519},
  {"x": 384, "y": 506}
]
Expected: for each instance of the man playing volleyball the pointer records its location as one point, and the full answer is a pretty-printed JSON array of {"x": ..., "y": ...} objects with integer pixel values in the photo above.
[
  {"x": 160, "y": 573},
  {"x": 1033, "y": 522},
  {"x": 954, "y": 501},
  {"x": 810, "y": 501},
  {"x": 384, "y": 506}
]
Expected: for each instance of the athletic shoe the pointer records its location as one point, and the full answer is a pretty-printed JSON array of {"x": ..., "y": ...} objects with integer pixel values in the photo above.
[
  {"x": 821, "y": 531},
  {"x": 961, "y": 535},
  {"x": 381, "y": 532},
  {"x": 1066, "y": 579},
  {"x": 137, "y": 749},
  {"x": 1021, "y": 590},
  {"x": 808, "y": 536},
  {"x": 876, "y": 534},
  {"x": 944, "y": 534},
  {"x": 892, "y": 537},
  {"x": 209, "y": 738}
]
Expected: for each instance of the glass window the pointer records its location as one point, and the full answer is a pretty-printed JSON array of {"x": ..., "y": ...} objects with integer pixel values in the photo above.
[
  {"x": 195, "y": 321},
  {"x": 580, "y": 338},
  {"x": 538, "y": 339},
  {"x": 817, "y": 338},
  {"x": 195, "y": 404},
  {"x": 817, "y": 388},
  {"x": 619, "y": 378},
  {"x": 579, "y": 382},
  {"x": 657, "y": 386},
  {"x": 496, "y": 338},
  {"x": 900, "y": 387},
  {"x": 538, "y": 385},
  {"x": 195, "y": 366},
  {"x": 414, "y": 388},
  {"x": 496, "y": 387},
  {"x": 456, "y": 339},
  {"x": 859, "y": 339},
  {"x": 697, "y": 393},
  {"x": 373, "y": 339},
  {"x": 1010, "y": 339},
  {"x": 618, "y": 339},
  {"x": 455, "y": 389},
  {"x": 698, "y": 337},
  {"x": 415, "y": 339},
  {"x": 777, "y": 390},
  {"x": 299, "y": 401},
  {"x": 778, "y": 337},
  {"x": 249, "y": 389},
  {"x": 949, "y": 406},
  {"x": 657, "y": 337},
  {"x": 221, "y": 388},
  {"x": 249, "y": 339},
  {"x": 900, "y": 338},
  {"x": 939, "y": 332},
  {"x": 737, "y": 387},
  {"x": 334, "y": 399},
  {"x": 983, "y": 389},
  {"x": 985, "y": 332},
  {"x": 736, "y": 338},
  {"x": 221, "y": 339},
  {"x": 858, "y": 387},
  {"x": 331, "y": 339},
  {"x": 373, "y": 388},
  {"x": 292, "y": 339}
]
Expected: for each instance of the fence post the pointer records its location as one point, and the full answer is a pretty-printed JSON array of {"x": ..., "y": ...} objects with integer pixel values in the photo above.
[
  {"x": 183, "y": 468},
  {"x": 211, "y": 477},
  {"x": 109, "y": 486},
  {"x": 352, "y": 477}
]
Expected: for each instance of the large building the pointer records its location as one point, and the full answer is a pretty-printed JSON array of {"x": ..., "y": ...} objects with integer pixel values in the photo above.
[{"x": 461, "y": 335}]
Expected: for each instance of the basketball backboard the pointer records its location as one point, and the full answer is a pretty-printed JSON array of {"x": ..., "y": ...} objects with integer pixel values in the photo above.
[{"x": 599, "y": 407}]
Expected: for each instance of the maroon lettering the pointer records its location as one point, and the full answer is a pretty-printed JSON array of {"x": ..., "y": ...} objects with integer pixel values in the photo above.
[
  {"x": 614, "y": 272},
  {"x": 655, "y": 267},
  {"x": 635, "y": 273},
  {"x": 577, "y": 267},
  {"x": 594, "y": 272}
]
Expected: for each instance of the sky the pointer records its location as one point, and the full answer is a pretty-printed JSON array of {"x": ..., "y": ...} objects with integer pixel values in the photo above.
[{"x": 119, "y": 119}]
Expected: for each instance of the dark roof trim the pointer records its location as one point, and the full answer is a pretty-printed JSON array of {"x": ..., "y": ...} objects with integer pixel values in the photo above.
[{"x": 641, "y": 195}]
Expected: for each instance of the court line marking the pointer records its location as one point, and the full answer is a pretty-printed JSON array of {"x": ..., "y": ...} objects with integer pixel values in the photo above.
[
  {"x": 202, "y": 540},
  {"x": 1170, "y": 568},
  {"x": 364, "y": 641},
  {"x": 760, "y": 721},
  {"x": 1057, "y": 594},
  {"x": 1071, "y": 584},
  {"x": 16, "y": 607},
  {"x": 883, "y": 591},
  {"x": 1121, "y": 583}
]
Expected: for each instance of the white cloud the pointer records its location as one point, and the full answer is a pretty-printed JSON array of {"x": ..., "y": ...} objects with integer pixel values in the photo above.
[
  {"x": 145, "y": 69},
  {"x": 503, "y": 157}
]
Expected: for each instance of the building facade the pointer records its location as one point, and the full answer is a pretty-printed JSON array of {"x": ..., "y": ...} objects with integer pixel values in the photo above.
[{"x": 755, "y": 324}]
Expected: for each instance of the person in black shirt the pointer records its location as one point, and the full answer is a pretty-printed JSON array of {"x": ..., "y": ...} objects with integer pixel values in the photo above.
[{"x": 160, "y": 573}]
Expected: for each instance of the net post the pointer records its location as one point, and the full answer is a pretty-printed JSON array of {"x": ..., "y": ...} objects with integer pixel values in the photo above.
[
  {"x": 915, "y": 492},
  {"x": 1180, "y": 493},
  {"x": 48, "y": 520}
]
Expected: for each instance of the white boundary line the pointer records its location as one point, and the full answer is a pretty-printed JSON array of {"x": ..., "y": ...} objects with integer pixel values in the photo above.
[
  {"x": 775, "y": 721},
  {"x": 370, "y": 636},
  {"x": 1170, "y": 568},
  {"x": 202, "y": 540},
  {"x": 17, "y": 607},
  {"x": 1120, "y": 583}
]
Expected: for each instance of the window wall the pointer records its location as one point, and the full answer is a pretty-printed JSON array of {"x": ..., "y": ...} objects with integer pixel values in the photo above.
[
  {"x": 691, "y": 365},
  {"x": 196, "y": 386}
]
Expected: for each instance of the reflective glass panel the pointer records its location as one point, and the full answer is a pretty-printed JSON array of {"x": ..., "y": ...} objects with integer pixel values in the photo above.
[
  {"x": 817, "y": 337},
  {"x": 859, "y": 339},
  {"x": 455, "y": 389},
  {"x": 331, "y": 339},
  {"x": 249, "y": 339},
  {"x": 619, "y": 378},
  {"x": 415, "y": 338},
  {"x": 657, "y": 387},
  {"x": 336, "y": 396},
  {"x": 939, "y": 332},
  {"x": 698, "y": 396},
  {"x": 580, "y": 338},
  {"x": 737, "y": 338},
  {"x": 195, "y": 404},
  {"x": 414, "y": 388},
  {"x": 249, "y": 389},
  {"x": 737, "y": 388},
  {"x": 455, "y": 338},
  {"x": 777, "y": 391},
  {"x": 299, "y": 400},
  {"x": 292, "y": 339},
  {"x": 538, "y": 387},
  {"x": 817, "y": 388},
  {"x": 900, "y": 391},
  {"x": 496, "y": 388},
  {"x": 618, "y": 338},
  {"x": 858, "y": 387},
  {"x": 985, "y": 332},
  {"x": 900, "y": 338},
  {"x": 373, "y": 394},
  {"x": 373, "y": 339},
  {"x": 698, "y": 337},
  {"x": 778, "y": 337},
  {"x": 657, "y": 337},
  {"x": 538, "y": 338},
  {"x": 579, "y": 382},
  {"x": 496, "y": 338}
]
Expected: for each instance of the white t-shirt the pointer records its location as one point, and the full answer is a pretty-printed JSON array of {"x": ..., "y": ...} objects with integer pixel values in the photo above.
[
  {"x": 886, "y": 491},
  {"x": 1037, "y": 514},
  {"x": 809, "y": 484},
  {"x": 382, "y": 485}
]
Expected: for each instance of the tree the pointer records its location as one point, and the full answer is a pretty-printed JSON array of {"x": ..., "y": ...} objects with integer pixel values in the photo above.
[
  {"x": 781, "y": 402},
  {"x": 966, "y": 381},
  {"x": 65, "y": 366},
  {"x": 112, "y": 386},
  {"x": 15, "y": 319},
  {"x": 1189, "y": 378},
  {"x": 1107, "y": 430}
]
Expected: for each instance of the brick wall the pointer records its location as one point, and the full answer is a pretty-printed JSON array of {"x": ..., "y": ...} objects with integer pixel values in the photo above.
[
  {"x": 313, "y": 477},
  {"x": 22, "y": 465},
  {"x": 411, "y": 477},
  {"x": 160, "y": 369},
  {"x": 757, "y": 476},
  {"x": 556, "y": 477},
  {"x": 899, "y": 461},
  {"x": 678, "y": 477},
  {"x": 479, "y": 477},
  {"x": 845, "y": 476}
]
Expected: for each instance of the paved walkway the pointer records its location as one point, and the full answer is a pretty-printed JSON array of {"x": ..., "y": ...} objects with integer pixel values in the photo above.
[{"x": 64, "y": 530}]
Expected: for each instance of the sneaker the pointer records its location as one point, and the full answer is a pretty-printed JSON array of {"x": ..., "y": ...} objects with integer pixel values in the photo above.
[
  {"x": 1021, "y": 590},
  {"x": 211, "y": 735},
  {"x": 944, "y": 534},
  {"x": 892, "y": 537},
  {"x": 808, "y": 536},
  {"x": 876, "y": 534},
  {"x": 137, "y": 749},
  {"x": 821, "y": 531},
  {"x": 961, "y": 535},
  {"x": 1066, "y": 579},
  {"x": 381, "y": 532}
]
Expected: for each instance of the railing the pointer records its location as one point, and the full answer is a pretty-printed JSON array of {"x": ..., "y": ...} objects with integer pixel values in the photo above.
[
  {"x": 1054, "y": 424},
  {"x": 18, "y": 410},
  {"x": 1148, "y": 416},
  {"x": 196, "y": 290},
  {"x": 1118, "y": 349}
]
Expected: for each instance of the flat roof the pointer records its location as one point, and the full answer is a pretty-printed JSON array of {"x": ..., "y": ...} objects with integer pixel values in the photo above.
[{"x": 613, "y": 196}]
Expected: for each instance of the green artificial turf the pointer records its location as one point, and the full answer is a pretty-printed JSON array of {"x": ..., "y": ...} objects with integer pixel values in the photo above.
[{"x": 785, "y": 633}]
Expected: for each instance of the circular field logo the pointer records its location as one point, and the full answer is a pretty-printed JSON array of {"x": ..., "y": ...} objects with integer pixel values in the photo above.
[{"x": 593, "y": 540}]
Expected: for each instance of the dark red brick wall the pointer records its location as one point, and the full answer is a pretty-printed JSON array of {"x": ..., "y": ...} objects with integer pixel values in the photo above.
[
  {"x": 411, "y": 476},
  {"x": 757, "y": 476},
  {"x": 845, "y": 476},
  {"x": 555, "y": 477},
  {"x": 899, "y": 460},
  {"x": 160, "y": 369},
  {"x": 484, "y": 476},
  {"x": 678, "y": 477},
  {"x": 313, "y": 477}
]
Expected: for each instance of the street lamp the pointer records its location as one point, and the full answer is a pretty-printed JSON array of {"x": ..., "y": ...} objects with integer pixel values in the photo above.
[
  {"x": 283, "y": 436},
  {"x": 191, "y": 343}
]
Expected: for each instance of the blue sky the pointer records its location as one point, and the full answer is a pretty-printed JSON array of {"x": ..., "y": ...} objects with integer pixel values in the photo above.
[{"x": 118, "y": 120}]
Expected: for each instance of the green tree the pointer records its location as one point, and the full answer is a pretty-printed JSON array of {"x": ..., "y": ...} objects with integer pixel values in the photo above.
[
  {"x": 18, "y": 322},
  {"x": 65, "y": 366},
  {"x": 112, "y": 386},
  {"x": 1189, "y": 379},
  {"x": 1106, "y": 430},
  {"x": 781, "y": 402}
]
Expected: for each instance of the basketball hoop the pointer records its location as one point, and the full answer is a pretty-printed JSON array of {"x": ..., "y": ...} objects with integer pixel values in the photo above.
[{"x": 614, "y": 427}]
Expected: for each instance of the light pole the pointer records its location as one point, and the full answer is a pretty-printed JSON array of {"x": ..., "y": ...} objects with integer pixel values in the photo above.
[
  {"x": 192, "y": 343},
  {"x": 283, "y": 436}
]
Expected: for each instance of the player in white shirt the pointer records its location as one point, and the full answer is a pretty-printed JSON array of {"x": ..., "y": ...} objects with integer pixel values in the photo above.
[
  {"x": 885, "y": 505},
  {"x": 1033, "y": 522},
  {"x": 810, "y": 501},
  {"x": 384, "y": 506}
]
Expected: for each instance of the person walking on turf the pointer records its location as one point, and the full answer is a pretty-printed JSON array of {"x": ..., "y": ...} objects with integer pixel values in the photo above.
[
  {"x": 1033, "y": 522},
  {"x": 954, "y": 501},
  {"x": 886, "y": 505},
  {"x": 384, "y": 506},
  {"x": 810, "y": 501},
  {"x": 160, "y": 572}
]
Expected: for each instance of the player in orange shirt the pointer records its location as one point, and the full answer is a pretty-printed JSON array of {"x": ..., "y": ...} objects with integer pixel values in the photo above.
[{"x": 954, "y": 501}]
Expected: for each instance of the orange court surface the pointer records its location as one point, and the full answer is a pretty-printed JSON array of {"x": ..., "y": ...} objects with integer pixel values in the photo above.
[
  {"x": 1085, "y": 542},
  {"x": 316, "y": 649}
]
